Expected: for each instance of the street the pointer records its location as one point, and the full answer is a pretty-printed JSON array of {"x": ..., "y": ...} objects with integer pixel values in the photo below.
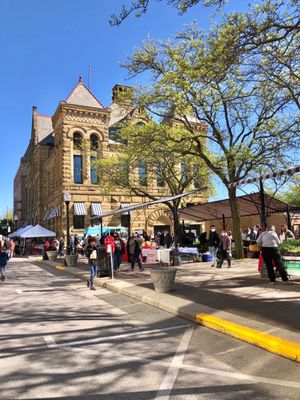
[{"x": 61, "y": 341}]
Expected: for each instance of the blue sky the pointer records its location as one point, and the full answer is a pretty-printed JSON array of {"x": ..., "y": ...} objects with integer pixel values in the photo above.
[{"x": 47, "y": 44}]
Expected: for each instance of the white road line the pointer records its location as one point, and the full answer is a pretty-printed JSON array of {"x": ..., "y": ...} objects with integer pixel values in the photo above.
[
  {"x": 50, "y": 342},
  {"x": 19, "y": 291},
  {"x": 153, "y": 332},
  {"x": 167, "y": 384},
  {"x": 230, "y": 350},
  {"x": 187, "y": 367}
]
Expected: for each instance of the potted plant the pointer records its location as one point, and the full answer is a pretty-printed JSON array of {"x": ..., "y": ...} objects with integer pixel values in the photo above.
[
  {"x": 290, "y": 251},
  {"x": 163, "y": 278},
  {"x": 71, "y": 259},
  {"x": 52, "y": 254}
]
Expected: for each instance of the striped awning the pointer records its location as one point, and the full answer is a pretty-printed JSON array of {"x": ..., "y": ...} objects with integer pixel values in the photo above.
[
  {"x": 125, "y": 205},
  {"x": 96, "y": 209},
  {"x": 46, "y": 215},
  {"x": 79, "y": 209},
  {"x": 284, "y": 172}
]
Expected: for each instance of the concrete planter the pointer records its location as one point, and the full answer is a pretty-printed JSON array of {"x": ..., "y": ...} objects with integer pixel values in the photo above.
[
  {"x": 71, "y": 260},
  {"x": 52, "y": 255},
  {"x": 163, "y": 279}
]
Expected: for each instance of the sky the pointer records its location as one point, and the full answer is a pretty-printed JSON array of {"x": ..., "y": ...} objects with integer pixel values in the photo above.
[{"x": 47, "y": 44}]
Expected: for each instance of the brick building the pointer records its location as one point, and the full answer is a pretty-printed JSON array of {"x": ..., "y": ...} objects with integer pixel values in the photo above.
[{"x": 59, "y": 159}]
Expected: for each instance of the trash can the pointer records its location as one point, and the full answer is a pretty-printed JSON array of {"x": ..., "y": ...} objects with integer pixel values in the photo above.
[{"x": 103, "y": 263}]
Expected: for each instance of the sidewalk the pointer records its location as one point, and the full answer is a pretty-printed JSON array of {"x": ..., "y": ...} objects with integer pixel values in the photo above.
[{"x": 235, "y": 301}]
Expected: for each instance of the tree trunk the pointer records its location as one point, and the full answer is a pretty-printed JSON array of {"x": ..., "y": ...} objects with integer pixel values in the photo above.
[
  {"x": 177, "y": 235},
  {"x": 236, "y": 223}
]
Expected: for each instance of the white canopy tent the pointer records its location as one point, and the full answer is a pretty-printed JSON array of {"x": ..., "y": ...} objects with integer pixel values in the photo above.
[
  {"x": 21, "y": 230},
  {"x": 37, "y": 231}
]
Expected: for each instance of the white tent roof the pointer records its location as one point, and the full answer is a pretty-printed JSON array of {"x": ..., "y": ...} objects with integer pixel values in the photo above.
[
  {"x": 20, "y": 230},
  {"x": 37, "y": 231}
]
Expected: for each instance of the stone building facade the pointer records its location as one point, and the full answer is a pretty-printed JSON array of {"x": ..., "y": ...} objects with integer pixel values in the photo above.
[{"x": 59, "y": 159}]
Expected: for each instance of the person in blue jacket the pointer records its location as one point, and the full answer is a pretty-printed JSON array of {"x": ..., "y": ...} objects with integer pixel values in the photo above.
[{"x": 3, "y": 260}]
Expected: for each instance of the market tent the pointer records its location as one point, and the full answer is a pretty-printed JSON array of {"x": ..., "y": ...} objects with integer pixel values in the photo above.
[
  {"x": 249, "y": 205},
  {"x": 36, "y": 232},
  {"x": 18, "y": 232},
  {"x": 96, "y": 230}
]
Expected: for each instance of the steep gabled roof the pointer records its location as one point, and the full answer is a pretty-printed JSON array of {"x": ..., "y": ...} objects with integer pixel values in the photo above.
[
  {"x": 82, "y": 96},
  {"x": 44, "y": 126}
]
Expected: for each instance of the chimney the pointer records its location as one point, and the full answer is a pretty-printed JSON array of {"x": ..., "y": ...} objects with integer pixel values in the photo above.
[{"x": 122, "y": 94}]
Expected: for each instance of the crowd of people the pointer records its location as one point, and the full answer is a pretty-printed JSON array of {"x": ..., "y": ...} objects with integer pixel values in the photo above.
[{"x": 219, "y": 247}]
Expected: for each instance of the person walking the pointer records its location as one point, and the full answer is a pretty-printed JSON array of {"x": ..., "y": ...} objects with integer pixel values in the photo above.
[
  {"x": 135, "y": 252},
  {"x": 91, "y": 253},
  {"x": 119, "y": 249},
  {"x": 213, "y": 244},
  {"x": 285, "y": 234},
  {"x": 224, "y": 250},
  {"x": 269, "y": 242},
  {"x": 3, "y": 260}
]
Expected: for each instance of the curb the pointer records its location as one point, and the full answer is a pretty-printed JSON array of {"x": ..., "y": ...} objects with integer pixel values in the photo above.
[{"x": 274, "y": 344}]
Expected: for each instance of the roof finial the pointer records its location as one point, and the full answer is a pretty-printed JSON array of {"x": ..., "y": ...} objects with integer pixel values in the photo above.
[{"x": 80, "y": 79}]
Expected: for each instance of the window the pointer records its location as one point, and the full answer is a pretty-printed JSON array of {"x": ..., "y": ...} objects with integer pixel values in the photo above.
[
  {"x": 94, "y": 142},
  {"x": 160, "y": 177},
  {"x": 77, "y": 169},
  {"x": 77, "y": 141},
  {"x": 184, "y": 176},
  {"x": 78, "y": 221},
  {"x": 93, "y": 171},
  {"x": 197, "y": 184},
  {"x": 143, "y": 174}
]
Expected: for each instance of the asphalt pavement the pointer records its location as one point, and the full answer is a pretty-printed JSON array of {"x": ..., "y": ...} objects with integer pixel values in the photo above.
[{"x": 60, "y": 340}]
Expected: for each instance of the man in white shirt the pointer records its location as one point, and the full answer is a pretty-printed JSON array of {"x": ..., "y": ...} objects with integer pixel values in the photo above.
[{"x": 269, "y": 242}]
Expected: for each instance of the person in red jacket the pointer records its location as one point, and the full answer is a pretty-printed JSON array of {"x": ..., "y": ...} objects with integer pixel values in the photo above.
[{"x": 109, "y": 240}]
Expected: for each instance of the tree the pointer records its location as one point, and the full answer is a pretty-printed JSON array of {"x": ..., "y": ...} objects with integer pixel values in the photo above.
[
  {"x": 149, "y": 164},
  {"x": 140, "y": 7},
  {"x": 292, "y": 194},
  {"x": 210, "y": 77}
]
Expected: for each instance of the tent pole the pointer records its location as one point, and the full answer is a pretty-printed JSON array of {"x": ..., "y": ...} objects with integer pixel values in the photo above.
[
  {"x": 224, "y": 222},
  {"x": 289, "y": 221},
  {"x": 263, "y": 217}
]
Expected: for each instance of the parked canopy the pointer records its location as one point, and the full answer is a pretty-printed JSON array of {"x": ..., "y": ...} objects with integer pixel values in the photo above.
[
  {"x": 96, "y": 230},
  {"x": 18, "y": 232},
  {"x": 249, "y": 205},
  {"x": 37, "y": 231}
]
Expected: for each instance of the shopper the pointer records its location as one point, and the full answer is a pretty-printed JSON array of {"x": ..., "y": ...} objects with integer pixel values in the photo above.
[
  {"x": 91, "y": 253},
  {"x": 213, "y": 244},
  {"x": 3, "y": 260},
  {"x": 269, "y": 242},
  {"x": 135, "y": 251},
  {"x": 285, "y": 234},
  {"x": 119, "y": 250},
  {"x": 224, "y": 252}
]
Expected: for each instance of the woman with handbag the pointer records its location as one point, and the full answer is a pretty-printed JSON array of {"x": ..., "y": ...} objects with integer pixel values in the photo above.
[{"x": 91, "y": 253}]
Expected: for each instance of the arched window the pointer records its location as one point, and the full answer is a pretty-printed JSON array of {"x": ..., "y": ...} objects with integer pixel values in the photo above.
[
  {"x": 94, "y": 142},
  {"x": 77, "y": 141}
]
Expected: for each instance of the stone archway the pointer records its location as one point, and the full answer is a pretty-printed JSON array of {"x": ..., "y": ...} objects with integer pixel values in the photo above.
[{"x": 159, "y": 217}]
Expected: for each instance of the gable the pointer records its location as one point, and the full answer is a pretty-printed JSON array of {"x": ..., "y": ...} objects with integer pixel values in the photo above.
[{"x": 82, "y": 96}]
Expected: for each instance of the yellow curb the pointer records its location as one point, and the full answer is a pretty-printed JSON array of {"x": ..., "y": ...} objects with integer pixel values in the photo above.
[
  {"x": 274, "y": 344},
  {"x": 60, "y": 267}
]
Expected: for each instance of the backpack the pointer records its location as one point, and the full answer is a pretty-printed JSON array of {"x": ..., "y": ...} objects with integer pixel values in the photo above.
[{"x": 118, "y": 245}]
